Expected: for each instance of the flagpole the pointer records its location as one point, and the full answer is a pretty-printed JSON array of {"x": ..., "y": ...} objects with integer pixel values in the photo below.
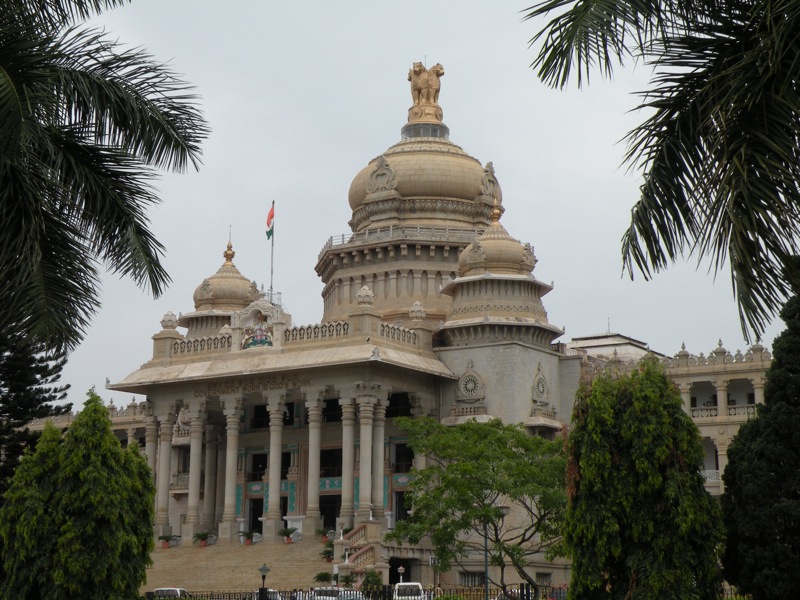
[{"x": 271, "y": 256}]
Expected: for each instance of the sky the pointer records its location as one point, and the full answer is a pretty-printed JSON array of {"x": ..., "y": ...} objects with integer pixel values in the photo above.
[{"x": 301, "y": 95}]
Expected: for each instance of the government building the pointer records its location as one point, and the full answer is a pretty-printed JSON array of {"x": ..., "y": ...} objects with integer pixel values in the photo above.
[{"x": 431, "y": 308}]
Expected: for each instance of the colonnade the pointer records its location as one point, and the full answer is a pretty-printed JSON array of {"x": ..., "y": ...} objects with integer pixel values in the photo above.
[
  {"x": 365, "y": 408},
  {"x": 715, "y": 422}
]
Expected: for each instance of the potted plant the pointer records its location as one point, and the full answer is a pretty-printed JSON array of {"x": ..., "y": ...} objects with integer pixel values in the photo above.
[
  {"x": 287, "y": 532},
  {"x": 248, "y": 537},
  {"x": 323, "y": 533},
  {"x": 202, "y": 537},
  {"x": 323, "y": 577},
  {"x": 347, "y": 580},
  {"x": 165, "y": 540},
  {"x": 327, "y": 551}
]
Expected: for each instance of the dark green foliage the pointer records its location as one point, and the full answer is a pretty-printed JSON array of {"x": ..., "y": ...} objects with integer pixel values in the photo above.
[
  {"x": 761, "y": 503},
  {"x": 78, "y": 517},
  {"x": 84, "y": 125},
  {"x": 28, "y": 391},
  {"x": 371, "y": 584},
  {"x": 719, "y": 150},
  {"x": 472, "y": 469},
  {"x": 640, "y": 524}
]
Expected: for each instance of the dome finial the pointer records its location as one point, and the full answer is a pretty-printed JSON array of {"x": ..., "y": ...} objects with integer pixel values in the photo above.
[
  {"x": 496, "y": 211},
  {"x": 229, "y": 253}
]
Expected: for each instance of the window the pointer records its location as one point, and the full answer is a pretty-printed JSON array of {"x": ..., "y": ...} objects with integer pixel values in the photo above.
[
  {"x": 331, "y": 411},
  {"x": 183, "y": 460},
  {"x": 467, "y": 579},
  {"x": 330, "y": 463},
  {"x": 403, "y": 458},
  {"x": 258, "y": 467},
  {"x": 286, "y": 463},
  {"x": 288, "y": 414},
  {"x": 545, "y": 579},
  {"x": 260, "y": 418},
  {"x": 399, "y": 406}
]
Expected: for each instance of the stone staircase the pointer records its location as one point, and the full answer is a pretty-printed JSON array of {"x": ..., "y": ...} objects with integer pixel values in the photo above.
[{"x": 234, "y": 567}]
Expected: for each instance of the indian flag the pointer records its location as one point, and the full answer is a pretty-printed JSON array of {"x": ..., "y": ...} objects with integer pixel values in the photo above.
[{"x": 270, "y": 221}]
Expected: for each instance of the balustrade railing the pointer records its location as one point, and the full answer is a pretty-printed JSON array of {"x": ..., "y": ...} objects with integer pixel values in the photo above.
[{"x": 402, "y": 232}]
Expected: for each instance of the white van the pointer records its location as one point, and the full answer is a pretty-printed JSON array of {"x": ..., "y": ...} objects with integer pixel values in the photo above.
[
  {"x": 410, "y": 590},
  {"x": 170, "y": 593}
]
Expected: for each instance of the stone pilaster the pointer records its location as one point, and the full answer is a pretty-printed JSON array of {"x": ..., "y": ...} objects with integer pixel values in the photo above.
[
  {"x": 166, "y": 422},
  {"x": 232, "y": 409},
  {"x": 348, "y": 463}
]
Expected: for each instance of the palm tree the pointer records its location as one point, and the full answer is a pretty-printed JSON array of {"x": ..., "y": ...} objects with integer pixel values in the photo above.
[
  {"x": 84, "y": 125},
  {"x": 719, "y": 152}
]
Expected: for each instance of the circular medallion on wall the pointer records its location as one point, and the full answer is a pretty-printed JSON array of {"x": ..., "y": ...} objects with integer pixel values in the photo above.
[
  {"x": 470, "y": 385},
  {"x": 541, "y": 387}
]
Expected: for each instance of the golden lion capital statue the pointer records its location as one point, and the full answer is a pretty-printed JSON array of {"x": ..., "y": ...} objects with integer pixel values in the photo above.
[{"x": 425, "y": 83}]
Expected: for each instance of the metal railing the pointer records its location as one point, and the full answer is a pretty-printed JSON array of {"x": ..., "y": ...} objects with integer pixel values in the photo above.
[{"x": 516, "y": 592}]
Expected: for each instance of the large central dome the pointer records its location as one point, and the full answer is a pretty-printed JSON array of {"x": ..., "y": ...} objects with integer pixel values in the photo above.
[{"x": 425, "y": 179}]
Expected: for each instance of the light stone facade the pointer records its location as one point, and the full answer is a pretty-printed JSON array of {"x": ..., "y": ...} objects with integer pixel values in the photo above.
[{"x": 430, "y": 308}]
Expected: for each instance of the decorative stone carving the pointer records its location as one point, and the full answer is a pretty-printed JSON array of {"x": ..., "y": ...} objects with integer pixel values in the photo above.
[
  {"x": 417, "y": 312},
  {"x": 528, "y": 258},
  {"x": 182, "y": 423},
  {"x": 365, "y": 296},
  {"x": 169, "y": 321},
  {"x": 489, "y": 186},
  {"x": 539, "y": 388},
  {"x": 476, "y": 253},
  {"x": 259, "y": 333},
  {"x": 382, "y": 178},
  {"x": 471, "y": 387},
  {"x": 205, "y": 291}
]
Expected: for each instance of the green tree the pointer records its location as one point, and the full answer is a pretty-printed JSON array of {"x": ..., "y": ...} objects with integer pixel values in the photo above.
[
  {"x": 371, "y": 584},
  {"x": 474, "y": 471},
  {"x": 639, "y": 524},
  {"x": 761, "y": 503},
  {"x": 84, "y": 127},
  {"x": 720, "y": 147},
  {"x": 78, "y": 516},
  {"x": 28, "y": 391}
]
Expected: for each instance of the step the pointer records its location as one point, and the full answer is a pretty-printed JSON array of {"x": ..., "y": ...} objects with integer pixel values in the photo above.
[{"x": 234, "y": 567}]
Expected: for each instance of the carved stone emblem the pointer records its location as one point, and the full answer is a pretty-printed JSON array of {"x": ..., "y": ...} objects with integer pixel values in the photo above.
[{"x": 382, "y": 178}]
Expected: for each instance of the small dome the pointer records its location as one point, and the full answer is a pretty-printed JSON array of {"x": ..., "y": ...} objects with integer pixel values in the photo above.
[
  {"x": 227, "y": 289},
  {"x": 496, "y": 252}
]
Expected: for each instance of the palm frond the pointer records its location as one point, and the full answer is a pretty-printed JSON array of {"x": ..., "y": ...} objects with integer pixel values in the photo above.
[{"x": 88, "y": 124}]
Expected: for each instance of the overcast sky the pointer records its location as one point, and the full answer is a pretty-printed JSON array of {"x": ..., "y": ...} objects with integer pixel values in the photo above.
[{"x": 301, "y": 95}]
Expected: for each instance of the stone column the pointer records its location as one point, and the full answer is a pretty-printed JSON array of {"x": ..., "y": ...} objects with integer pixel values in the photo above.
[
  {"x": 232, "y": 405},
  {"x": 758, "y": 388},
  {"x": 272, "y": 515},
  {"x": 366, "y": 408},
  {"x": 722, "y": 397},
  {"x": 196, "y": 428},
  {"x": 162, "y": 482},
  {"x": 210, "y": 483},
  {"x": 348, "y": 462},
  {"x": 378, "y": 458},
  {"x": 685, "y": 388},
  {"x": 311, "y": 522},
  {"x": 722, "y": 459},
  {"x": 151, "y": 443},
  {"x": 132, "y": 436},
  {"x": 219, "y": 497}
]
